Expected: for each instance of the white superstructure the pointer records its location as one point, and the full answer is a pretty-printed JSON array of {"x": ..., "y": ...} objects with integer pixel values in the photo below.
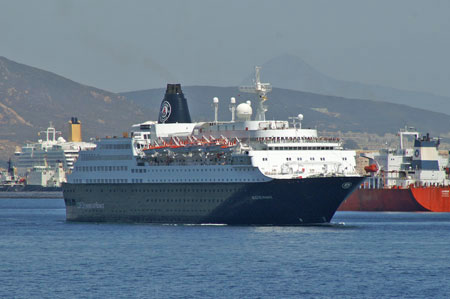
[
  {"x": 49, "y": 153},
  {"x": 420, "y": 165},
  {"x": 182, "y": 152}
]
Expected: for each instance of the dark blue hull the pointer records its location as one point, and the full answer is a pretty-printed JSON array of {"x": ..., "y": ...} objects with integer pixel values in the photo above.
[
  {"x": 41, "y": 188},
  {"x": 28, "y": 188},
  {"x": 285, "y": 202},
  {"x": 277, "y": 202}
]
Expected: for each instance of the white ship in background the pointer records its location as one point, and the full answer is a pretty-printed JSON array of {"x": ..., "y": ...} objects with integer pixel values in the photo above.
[
  {"x": 44, "y": 164},
  {"x": 241, "y": 171}
]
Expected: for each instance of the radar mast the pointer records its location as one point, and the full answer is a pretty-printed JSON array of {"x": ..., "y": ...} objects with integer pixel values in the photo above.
[{"x": 261, "y": 89}]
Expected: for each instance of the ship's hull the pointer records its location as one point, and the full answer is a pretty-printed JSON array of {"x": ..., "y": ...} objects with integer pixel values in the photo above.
[
  {"x": 27, "y": 188},
  {"x": 41, "y": 188},
  {"x": 418, "y": 199},
  {"x": 277, "y": 202},
  {"x": 11, "y": 188}
]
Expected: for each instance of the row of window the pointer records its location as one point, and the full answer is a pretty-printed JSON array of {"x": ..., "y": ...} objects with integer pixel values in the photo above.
[
  {"x": 101, "y": 168},
  {"x": 205, "y": 180},
  {"x": 90, "y": 157},
  {"x": 208, "y": 200},
  {"x": 144, "y": 170},
  {"x": 201, "y": 169},
  {"x": 120, "y": 181},
  {"x": 171, "y": 190},
  {"x": 140, "y": 170},
  {"x": 155, "y": 218},
  {"x": 100, "y": 181},
  {"x": 300, "y": 148},
  {"x": 311, "y": 159},
  {"x": 115, "y": 146},
  {"x": 121, "y": 212}
]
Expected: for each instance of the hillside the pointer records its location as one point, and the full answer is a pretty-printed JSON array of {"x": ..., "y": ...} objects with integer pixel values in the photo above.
[
  {"x": 30, "y": 98},
  {"x": 291, "y": 72},
  {"x": 326, "y": 113}
]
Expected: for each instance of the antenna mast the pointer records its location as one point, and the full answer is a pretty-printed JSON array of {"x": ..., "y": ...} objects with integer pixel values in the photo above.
[{"x": 261, "y": 89}]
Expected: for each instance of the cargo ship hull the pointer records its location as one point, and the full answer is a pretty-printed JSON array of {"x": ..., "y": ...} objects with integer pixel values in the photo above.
[
  {"x": 417, "y": 199},
  {"x": 277, "y": 202}
]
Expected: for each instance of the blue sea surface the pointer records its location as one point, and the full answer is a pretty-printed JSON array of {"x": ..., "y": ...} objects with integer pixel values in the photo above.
[{"x": 360, "y": 255}]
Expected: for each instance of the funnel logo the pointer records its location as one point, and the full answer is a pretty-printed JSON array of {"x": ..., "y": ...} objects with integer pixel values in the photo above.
[
  {"x": 166, "y": 109},
  {"x": 417, "y": 153}
]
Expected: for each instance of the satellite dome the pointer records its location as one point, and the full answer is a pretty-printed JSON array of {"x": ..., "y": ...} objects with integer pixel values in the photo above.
[{"x": 244, "y": 111}]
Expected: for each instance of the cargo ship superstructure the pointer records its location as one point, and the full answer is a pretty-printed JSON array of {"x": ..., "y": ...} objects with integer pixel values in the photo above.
[
  {"x": 9, "y": 181},
  {"x": 404, "y": 179},
  {"x": 241, "y": 171}
]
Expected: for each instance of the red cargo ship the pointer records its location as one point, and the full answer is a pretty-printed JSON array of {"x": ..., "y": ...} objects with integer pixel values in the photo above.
[
  {"x": 414, "y": 199},
  {"x": 404, "y": 180}
]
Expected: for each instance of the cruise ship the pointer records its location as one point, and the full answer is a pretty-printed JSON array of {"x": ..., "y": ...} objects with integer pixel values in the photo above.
[
  {"x": 44, "y": 164},
  {"x": 239, "y": 172}
]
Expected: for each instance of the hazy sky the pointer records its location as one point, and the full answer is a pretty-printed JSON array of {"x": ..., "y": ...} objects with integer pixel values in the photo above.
[{"x": 131, "y": 45}]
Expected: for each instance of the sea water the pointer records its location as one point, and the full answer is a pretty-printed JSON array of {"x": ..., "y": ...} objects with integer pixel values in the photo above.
[{"x": 360, "y": 255}]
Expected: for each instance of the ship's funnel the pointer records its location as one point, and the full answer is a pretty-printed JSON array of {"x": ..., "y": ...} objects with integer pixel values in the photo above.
[
  {"x": 174, "y": 108},
  {"x": 75, "y": 130}
]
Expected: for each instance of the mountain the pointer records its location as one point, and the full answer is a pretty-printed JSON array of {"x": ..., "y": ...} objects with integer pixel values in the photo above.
[
  {"x": 326, "y": 113},
  {"x": 30, "y": 98},
  {"x": 291, "y": 72}
]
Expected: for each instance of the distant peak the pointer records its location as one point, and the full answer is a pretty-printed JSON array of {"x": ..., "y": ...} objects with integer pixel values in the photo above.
[
  {"x": 289, "y": 71},
  {"x": 291, "y": 62}
]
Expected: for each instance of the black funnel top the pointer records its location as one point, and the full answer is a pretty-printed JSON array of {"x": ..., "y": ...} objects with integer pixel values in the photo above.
[{"x": 174, "y": 108}]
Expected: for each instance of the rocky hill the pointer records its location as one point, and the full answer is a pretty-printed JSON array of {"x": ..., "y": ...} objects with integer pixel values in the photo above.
[
  {"x": 30, "y": 98},
  {"x": 326, "y": 113}
]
